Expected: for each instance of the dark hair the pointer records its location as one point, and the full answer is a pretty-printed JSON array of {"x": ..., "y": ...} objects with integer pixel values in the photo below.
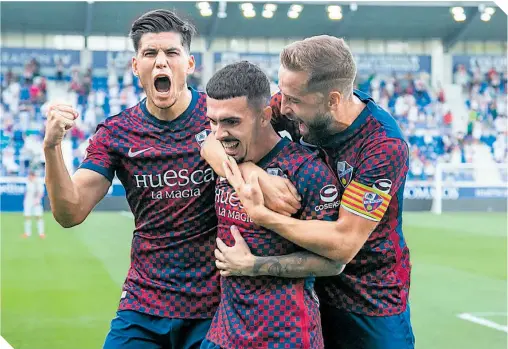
[
  {"x": 159, "y": 21},
  {"x": 238, "y": 80}
]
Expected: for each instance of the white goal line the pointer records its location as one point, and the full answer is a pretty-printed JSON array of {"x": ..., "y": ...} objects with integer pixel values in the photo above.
[{"x": 484, "y": 322}]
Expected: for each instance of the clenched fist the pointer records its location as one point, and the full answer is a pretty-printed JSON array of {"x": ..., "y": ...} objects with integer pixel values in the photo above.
[{"x": 60, "y": 119}]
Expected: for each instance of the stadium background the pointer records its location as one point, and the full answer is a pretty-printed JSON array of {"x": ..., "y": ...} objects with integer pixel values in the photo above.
[{"x": 441, "y": 75}]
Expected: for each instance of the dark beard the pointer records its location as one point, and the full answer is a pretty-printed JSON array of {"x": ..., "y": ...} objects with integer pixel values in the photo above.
[{"x": 320, "y": 130}]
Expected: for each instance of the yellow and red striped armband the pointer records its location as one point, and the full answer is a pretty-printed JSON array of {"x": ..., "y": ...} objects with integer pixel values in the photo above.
[{"x": 368, "y": 202}]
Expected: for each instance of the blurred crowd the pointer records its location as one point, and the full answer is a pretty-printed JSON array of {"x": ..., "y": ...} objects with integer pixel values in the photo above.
[
  {"x": 427, "y": 118},
  {"x": 24, "y": 100},
  {"x": 424, "y": 114}
]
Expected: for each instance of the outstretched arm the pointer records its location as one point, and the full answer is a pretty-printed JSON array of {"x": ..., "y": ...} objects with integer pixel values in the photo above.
[
  {"x": 363, "y": 204},
  {"x": 239, "y": 261}
]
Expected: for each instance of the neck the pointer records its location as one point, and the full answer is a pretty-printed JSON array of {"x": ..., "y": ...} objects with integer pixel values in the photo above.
[
  {"x": 265, "y": 144},
  {"x": 349, "y": 112},
  {"x": 183, "y": 100}
]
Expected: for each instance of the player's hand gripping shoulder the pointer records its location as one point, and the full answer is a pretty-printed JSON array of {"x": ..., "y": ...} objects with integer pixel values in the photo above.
[
  {"x": 279, "y": 193},
  {"x": 60, "y": 119}
]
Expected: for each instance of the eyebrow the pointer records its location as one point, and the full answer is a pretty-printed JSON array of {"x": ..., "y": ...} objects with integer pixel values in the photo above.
[
  {"x": 285, "y": 94},
  {"x": 289, "y": 96},
  {"x": 225, "y": 118},
  {"x": 151, "y": 48}
]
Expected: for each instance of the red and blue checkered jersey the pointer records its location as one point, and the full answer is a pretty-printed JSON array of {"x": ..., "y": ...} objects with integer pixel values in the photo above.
[
  {"x": 267, "y": 311},
  {"x": 170, "y": 190},
  {"x": 371, "y": 161}
]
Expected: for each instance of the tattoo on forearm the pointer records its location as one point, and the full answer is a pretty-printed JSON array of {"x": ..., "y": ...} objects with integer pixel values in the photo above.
[
  {"x": 299, "y": 264},
  {"x": 275, "y": 269}
]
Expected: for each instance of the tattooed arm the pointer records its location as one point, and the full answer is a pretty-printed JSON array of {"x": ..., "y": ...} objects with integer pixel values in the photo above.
[
  {"x": 296, "y": 265},
  {"x": 239, "y": 261}
]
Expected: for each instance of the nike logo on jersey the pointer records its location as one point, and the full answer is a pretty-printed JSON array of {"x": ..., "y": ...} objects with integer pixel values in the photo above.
[{"x": 132, "y": 154}]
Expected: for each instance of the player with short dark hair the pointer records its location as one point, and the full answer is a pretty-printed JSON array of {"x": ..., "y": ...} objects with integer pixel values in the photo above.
[
  {"x": 273, "y": 304},
  {"x": 171, "y": 291},
  {"x": 366, "y": 306}
]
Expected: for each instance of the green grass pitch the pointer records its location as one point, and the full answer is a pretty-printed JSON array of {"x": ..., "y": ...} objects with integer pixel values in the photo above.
[{"x": 62, "y": 292}]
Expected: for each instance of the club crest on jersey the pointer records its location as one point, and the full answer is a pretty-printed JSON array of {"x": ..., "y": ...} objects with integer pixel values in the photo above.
[
  {"x": 275, "y": 171},
  {"x": 201, "y": 136},
  {"x": 345, "y": 173},
  {"x": 371, "y": 201}
]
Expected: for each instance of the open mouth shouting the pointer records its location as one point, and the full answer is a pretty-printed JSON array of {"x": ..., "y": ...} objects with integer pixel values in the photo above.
[{"x": 162, "y": 84}]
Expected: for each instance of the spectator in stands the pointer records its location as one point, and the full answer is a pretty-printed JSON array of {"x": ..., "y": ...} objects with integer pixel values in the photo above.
[
  {"x": 59, "y": 70},
  {"x": 456, "y": 155},
  {"x": 9, "y": 164},
  {"x": 8, "y": 78},
  {"x": 127, "y": 76},
  {"x": 462, "y": 77},
  {"x": 114, "y": 100},
  {"x": 416, "y": 168},
  {"x": 501, "y": 104},
  {"x": 500, "y": 149},
  {"x": 412, "y": 109},
  {"x": 13, "y": 96},
  {"x": 86, "y": 86},
  {"x": 36, "y": 67},
  {"x": 448, "y": 119},
  {"x": 31, "y": 154},
  {"x": 28, "y": 73},
  {"x": 7, "y": 122},
  {"x": 501, "y": 124},
  {"x": 473, "y": 117},
  {"x": 35, "y": 91},
  {"x": 112, "y": 75},
  {"x": 429, "y": 169},
  {"x": 384, "y": 100}
]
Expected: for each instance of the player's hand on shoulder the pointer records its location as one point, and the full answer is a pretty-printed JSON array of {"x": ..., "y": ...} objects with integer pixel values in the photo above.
[
  {"x": 280, "y": 194},
  {"x": 60, "y": 118}
]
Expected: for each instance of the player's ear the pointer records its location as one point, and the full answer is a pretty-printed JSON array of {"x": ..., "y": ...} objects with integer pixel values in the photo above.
[
  {"x": 134, "y": 64},
  {"x": 192, "y": 65},
  {"x": 334, "y": 99},
  {"x": 266, "y": 116}
]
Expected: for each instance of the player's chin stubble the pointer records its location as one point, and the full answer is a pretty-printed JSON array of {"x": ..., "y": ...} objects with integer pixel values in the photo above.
[{"x": 321, "y": 130}]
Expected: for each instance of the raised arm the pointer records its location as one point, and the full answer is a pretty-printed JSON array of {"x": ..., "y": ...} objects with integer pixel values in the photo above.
[{"x": 72, "y": 199}]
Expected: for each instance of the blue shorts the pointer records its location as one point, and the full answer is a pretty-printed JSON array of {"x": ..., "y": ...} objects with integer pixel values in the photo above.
[
  {"x": 134, "y": 330},
  {"x": 344, "y": 330}
]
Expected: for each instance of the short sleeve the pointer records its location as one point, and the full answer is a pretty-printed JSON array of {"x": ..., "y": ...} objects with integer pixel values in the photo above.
[
  {"x": 98, "y": 156},
  {"x": 382, "y": 170}
]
